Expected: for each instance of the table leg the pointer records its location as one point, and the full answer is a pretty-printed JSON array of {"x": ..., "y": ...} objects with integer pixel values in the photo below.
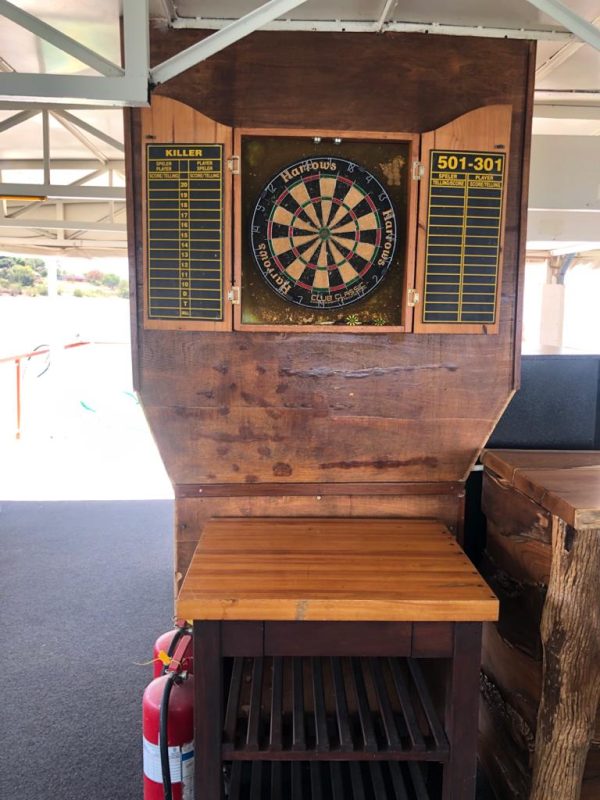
[
  {"x": 208, "y": 717},
  {"x": 570, "y": 631},
  {"x": 462, "y": 706}
]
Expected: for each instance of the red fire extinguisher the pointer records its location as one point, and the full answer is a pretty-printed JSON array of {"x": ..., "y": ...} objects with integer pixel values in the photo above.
[
  {"x": 166, "y": 644},
  {"x": 168, "y": 731}
]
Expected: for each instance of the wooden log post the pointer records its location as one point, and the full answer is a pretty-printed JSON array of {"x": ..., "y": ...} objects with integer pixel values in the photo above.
[{"x": 570, "y": 631}]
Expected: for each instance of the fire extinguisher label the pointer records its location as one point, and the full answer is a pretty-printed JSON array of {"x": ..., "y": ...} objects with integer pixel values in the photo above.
[
  {"x": 187, "y": 771},
  {"x": 181, "y": 764}
]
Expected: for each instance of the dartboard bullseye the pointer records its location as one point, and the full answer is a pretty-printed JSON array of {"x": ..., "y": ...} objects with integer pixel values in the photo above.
[{"x": 323, "y": 232}]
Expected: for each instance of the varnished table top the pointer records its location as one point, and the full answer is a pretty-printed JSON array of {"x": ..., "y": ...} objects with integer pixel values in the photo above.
[
  {"x": 564, "y": 482},
  {"x": 332, "y": 570}
]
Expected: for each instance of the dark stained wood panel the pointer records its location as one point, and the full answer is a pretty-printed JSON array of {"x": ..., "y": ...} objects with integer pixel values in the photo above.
[
  {"x": 297, "y": 446},
  {"x": 254, "y": 408},
  {"x": 350, "y": 78}
]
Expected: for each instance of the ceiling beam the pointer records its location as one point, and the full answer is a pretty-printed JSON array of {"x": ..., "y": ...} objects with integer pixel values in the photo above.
[
  {"x": 590, "y": 97},
  {"x": 55, "y": 224},
  {"x": 53, "y": 190},
  {"x": 59, "y": 164},
  {"x": 353, "y": 26},
  {"x": 80, "y": 89},
  {"x": 564, "y": 54},
  {"x": 78, "y": 134},
  {"x": 135, "y": 38},
  {"x": 549, "y": 111},
  {"x": 12, "y": 105},
  {"x": 58, "y": 39},
  {"x": 579, "y": 26},
  {"x": 218, "y": 41},
  {"x": 25, "y": 245},
  {"x": 387, "y": 6},
  {"x": 169, "y": 10},
  {"x": 46, "y": 145},
  {"x": 79, "y": 182},
  {"x": 129, "y": 88},
  {"x": 17, "y": 119},
  {"x": 91, "y": 129},
  {"x": 110, "y": 217}
]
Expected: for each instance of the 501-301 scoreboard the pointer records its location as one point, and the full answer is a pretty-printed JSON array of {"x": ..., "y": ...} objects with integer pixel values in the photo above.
[{"x": 463, "y": 236}]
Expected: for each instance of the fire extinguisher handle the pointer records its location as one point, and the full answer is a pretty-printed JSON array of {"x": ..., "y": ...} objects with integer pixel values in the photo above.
[{"x": 174, "y": 642}]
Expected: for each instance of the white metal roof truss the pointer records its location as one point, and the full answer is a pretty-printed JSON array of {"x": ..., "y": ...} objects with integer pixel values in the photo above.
[
  {"x": 70, "y": 214},
  {"x": 61, "y": 70}
]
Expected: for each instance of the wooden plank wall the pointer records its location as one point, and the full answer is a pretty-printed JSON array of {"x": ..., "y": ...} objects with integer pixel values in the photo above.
[{"x": 249, "y": 409}]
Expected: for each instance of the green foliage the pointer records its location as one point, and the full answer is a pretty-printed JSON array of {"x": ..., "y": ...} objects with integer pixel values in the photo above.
[
  {"x": 111, "y": 280},
  {"x": 21, "y": 274}
]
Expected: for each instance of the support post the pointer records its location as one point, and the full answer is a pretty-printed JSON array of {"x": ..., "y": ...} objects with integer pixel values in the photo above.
[
  {"x": 570, "y": 631},
  {"x": 208, "y": 716},
  {"x": 462, "y": 708},
  {"x": 18, "y": 376}
]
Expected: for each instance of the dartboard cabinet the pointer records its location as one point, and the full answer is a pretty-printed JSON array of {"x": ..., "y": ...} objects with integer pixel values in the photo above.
[
  {"x": 327, "y": 235},
  {"x": 324, "y": 229}
]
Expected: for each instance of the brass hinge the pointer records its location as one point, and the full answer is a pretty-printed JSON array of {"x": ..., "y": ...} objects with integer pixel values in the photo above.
[
  {"x": 418, "y": 170},
  {"x": 413, "y": 297},
  {"x": 234, "y": 295},
  {"x": 233, "y": 165}
]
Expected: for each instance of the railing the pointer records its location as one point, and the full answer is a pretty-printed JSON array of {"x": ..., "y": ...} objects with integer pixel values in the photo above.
[{"x": 17, "y": 361}]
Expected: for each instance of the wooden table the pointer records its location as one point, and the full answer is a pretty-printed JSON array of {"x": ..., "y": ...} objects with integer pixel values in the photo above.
[
  {"x": 329, "y": 621},
  {"x": 543, "y": 556}
]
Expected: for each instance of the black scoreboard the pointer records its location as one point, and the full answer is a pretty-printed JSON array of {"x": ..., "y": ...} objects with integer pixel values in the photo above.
[
  {"x": 463, "y": 236},
  {"x": 184, "y": 208}
]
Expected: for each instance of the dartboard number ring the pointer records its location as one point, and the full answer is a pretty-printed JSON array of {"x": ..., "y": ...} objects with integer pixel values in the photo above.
[{"x": 323, "y": 232}]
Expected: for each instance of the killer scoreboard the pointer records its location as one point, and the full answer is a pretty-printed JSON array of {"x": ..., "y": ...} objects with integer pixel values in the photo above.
[{"x": 184, "y": 211}]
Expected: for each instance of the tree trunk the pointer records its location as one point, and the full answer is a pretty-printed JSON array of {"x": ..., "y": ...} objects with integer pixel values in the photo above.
[{"x": 570, "y": 631}]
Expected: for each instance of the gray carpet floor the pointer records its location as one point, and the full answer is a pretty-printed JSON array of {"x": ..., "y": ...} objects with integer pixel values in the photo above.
[{"x": 85, "y": 588}]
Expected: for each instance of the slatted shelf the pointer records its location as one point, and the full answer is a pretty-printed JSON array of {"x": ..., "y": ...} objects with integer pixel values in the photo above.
[
  {"x": 285, "y": 708},
  {"x": 318, "y": 780}
]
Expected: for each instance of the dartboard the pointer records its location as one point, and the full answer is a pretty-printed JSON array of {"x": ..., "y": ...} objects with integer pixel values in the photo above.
[{"x": 323, "y": 232}]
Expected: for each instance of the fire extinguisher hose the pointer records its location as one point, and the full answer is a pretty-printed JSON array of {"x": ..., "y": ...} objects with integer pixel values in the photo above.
[{"x": 163, "y": 736}]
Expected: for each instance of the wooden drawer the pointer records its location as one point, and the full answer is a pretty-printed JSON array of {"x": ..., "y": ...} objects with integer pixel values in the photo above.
[
  {"x": 419, "y": 639},
  {"x": 338, "y": 638}
]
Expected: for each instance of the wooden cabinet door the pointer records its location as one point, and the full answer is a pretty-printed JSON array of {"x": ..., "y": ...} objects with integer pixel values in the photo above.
[
  {"x": 186, "y": 214},
  {"x": 461, "y": 223}
]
